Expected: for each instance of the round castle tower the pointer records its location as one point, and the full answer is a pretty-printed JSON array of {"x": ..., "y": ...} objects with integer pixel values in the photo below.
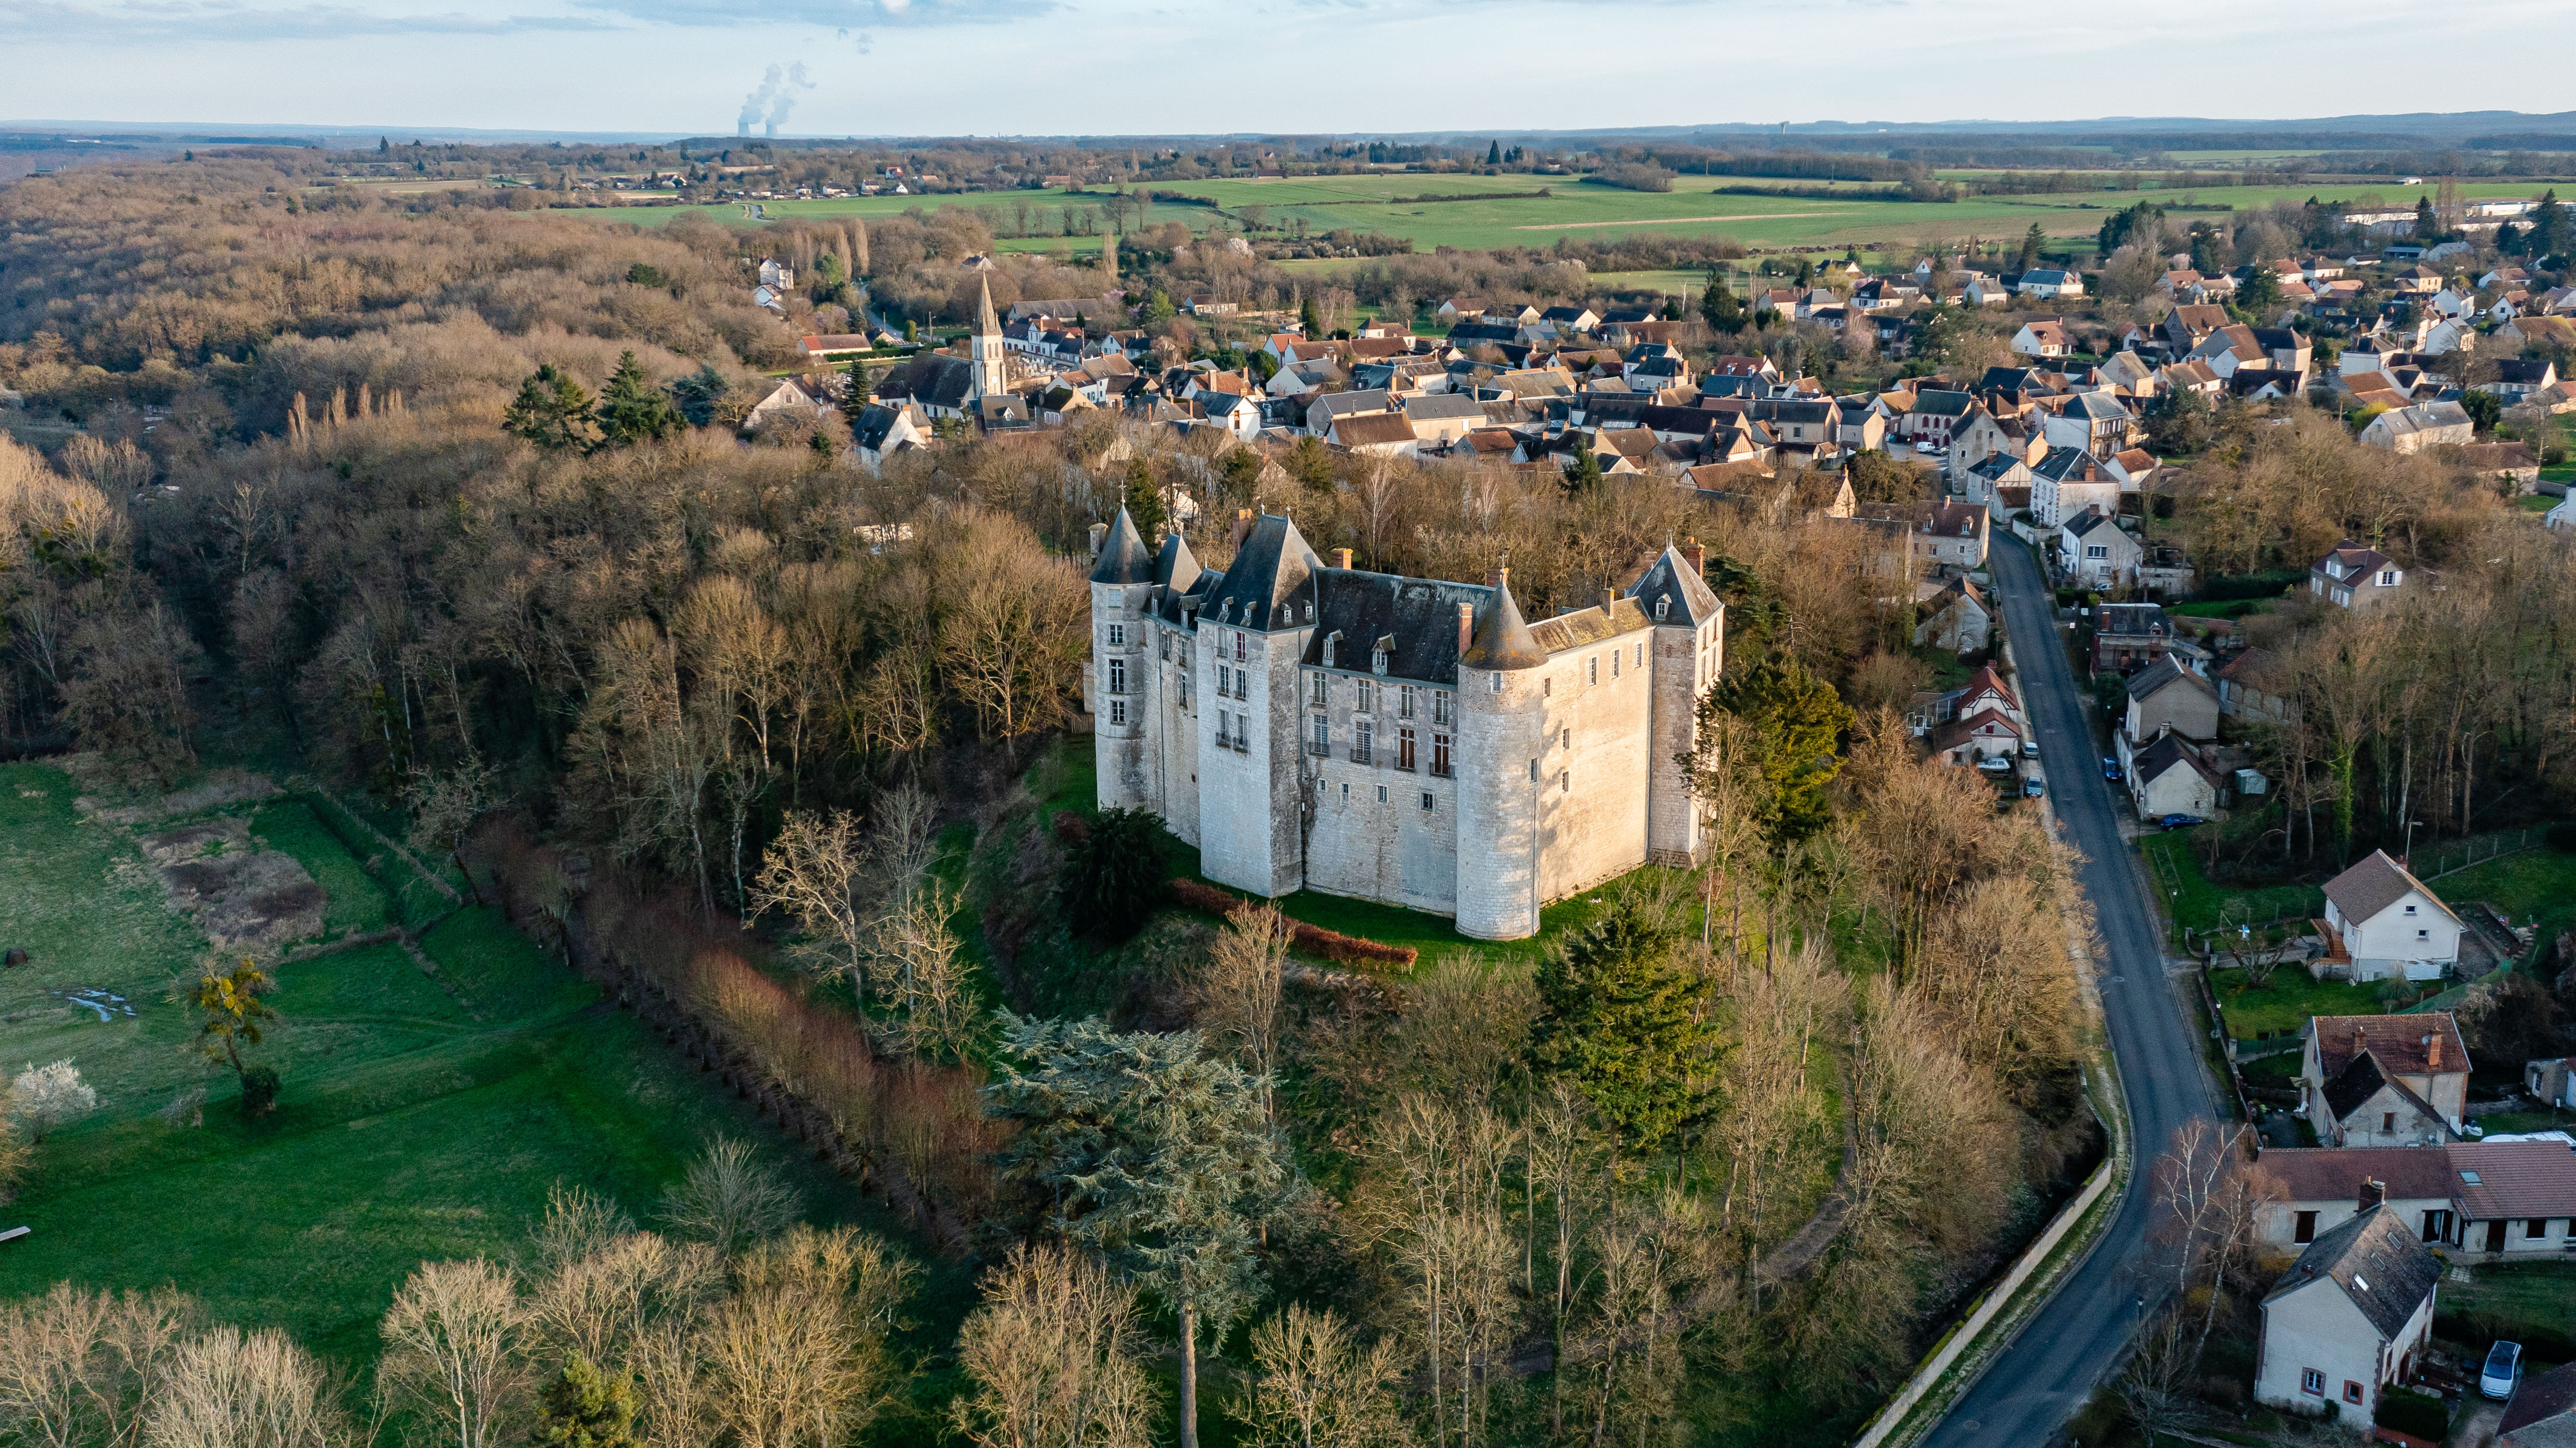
[
  {"x": 1502, "y": 713},
  {"x": 1122, "y": 667}
]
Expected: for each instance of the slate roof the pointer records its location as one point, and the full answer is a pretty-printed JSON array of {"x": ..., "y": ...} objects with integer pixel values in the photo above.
[
  {"x": 1942, "y": 403},
  {"x": 1590, "y": 625},
  {"x": 2375, "y": 884},
  {"x": 1420, "y": 616},
  {"x": 1176, "y": 567},
  {"x": 1258, "y": 589},
  {"x": 2147, "y": 682},
  {"x": 2376, "y": 1261},
  {"x": 875, "y": 423},
  {"x": 2159, "y": 758},
  {"x": 934, "y": 378},
  {"x": 2069, "y": 465},
  {"x": 1123, "y": 555},
  {"x": 1442, "y": 407},
  {"x": 1671, "y": 576},
  {"x": 2398, "y": 1042},
  {"x": 1502, "y": 637}
]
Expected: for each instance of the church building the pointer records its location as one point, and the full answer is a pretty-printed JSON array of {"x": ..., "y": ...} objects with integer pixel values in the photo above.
[{"x": 1309, "y": 725}]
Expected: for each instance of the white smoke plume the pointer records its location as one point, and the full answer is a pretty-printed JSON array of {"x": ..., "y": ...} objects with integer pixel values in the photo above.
[{"x": 776, "y": 97}]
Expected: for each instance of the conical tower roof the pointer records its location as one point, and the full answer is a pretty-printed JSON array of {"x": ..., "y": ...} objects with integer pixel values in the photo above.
[
  {"x": 986, "y": 325},
  {"x": 1124, "y": 558},
  {"x": 1503, "y": 639},
  {"x": 1176, "y": 567}
]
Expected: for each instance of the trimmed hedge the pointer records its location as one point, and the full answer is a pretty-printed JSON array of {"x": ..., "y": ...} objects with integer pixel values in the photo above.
[
  {"x": 1313, "y": 939},
  {"x": 2417, "y": 1415}
]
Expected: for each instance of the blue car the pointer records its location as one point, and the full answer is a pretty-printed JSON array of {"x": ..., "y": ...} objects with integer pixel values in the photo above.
[
  {"x": 2110, "y": 768},
  {"x": 2180, "y": 821}
]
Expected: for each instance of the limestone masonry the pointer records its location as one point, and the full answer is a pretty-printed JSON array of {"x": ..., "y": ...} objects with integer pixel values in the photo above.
[{"x": 1313, "y": 726}]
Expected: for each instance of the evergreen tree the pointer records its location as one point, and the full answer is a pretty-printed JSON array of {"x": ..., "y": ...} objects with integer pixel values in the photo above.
[
  {"x": 2259, "y": 292},
  {"x": 2031, "y": 241},
  {"x": 2551, "y": 232},
  {"x": 2428, "y": 227},
  {"x": 1719, "y": 307},
  {"x": 1144, "y": 500},
  {"x": 1797, "y": 722},
  {"x": 632, "y": 409},
  {"x": 859, "y": 394},
  {"x": 1113, "y": 880},
  {"x": 552, "y": 410},
  {"x": 1626, "y": 1022},
  {"x": 697, "y": 394},
  {"x": 1309, "y": 319},
  {"x": 1672, "y": 309},
  {"x": 1153, "y": 1153},
  {"x": 1494, "y": 154},
  {"x": 1584, "y": 473},
  {"x": 585, "y": 1408}
]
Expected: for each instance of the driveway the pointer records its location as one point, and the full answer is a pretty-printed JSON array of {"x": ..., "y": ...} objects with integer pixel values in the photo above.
[{"x": 2039, "y": 1381}]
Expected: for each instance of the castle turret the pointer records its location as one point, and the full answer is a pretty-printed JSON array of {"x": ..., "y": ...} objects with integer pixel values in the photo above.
[
  {"x": 1502, "y": 708},
  {"x": 1690, "y": 632},
  {"x": 1252, "y": 629},
  {"x": 1122, "y": 673}
]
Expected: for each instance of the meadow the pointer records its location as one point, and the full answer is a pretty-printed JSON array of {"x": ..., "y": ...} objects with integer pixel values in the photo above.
[
  {"x": 420, "y": 1117},
  {"x": 1389, "y": 203}
]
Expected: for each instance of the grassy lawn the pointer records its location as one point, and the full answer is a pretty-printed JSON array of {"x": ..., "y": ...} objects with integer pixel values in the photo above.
[
  {"x": 2224, "y": 608},
  {"x": 2555, "y": 1119},
  {"x": 406, "y": 1129},
  {"x": 2533, "y": 886},
  {"x": 2286, "y": 1001},
  {"x": 2196, "y": 902},
  {"x": 352, "y": 903},
  {"x": 2533, "y": 1302}
]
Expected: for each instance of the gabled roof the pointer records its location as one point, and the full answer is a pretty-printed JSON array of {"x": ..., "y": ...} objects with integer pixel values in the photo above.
[
  {"x": 2165, "y": 754},
  {"x": 2514, "y": 1179},
  {"x": 2375, "y": 884},
  {"x": 2146, "y": 683},
  {"x": 1123, "y": 555},
  {"x": 1418, "y": 616},
  {"x": 2375, "y": 1260},
  {"x": 2397, "y": 1041},
  {"x": 2327, "y": 1173},
  {"x": 1376, "y": 429},
  {"x": 1670, "y": 576}
]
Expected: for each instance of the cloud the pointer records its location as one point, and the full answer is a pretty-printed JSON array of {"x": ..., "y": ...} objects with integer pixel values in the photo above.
[
  {"x": 224, "y": 20},
  {"x": 839, "y": 14}
]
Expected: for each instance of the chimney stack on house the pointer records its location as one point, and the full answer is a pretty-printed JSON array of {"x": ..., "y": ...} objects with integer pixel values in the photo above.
[
  {"x": 2373, "y": 1192},
  {"x": 1242, "y": 525},
  {"x": 1466, "y": 627},
  {"x": 2433, "y": 1049},
  {"x": 1693, "y": 554},
  {"x": 1099, "y": 535},
  {"x": 1341, "y": 558},
  {"x": 1609, "y": 600}
]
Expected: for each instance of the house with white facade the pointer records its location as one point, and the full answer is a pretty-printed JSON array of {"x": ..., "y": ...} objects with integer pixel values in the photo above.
[
  {"x": 2383, "y": 922},
  {"x": 2348, "y": 1318},
  {"x": 2475, "y": 1200},
  {"x": 2352, "y": 575},
  {"x": 2384, "y": 1080},
  {"x": 2093, "y": 549}
]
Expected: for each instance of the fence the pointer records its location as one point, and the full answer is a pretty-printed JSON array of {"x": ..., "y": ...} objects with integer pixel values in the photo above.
[{"x": 2452, "y": 856}]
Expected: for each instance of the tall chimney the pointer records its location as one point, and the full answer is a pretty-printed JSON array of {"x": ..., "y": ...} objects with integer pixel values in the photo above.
[
  {"x": 2360, "y": 1038},
  {"x": 1609, "y": 599},
  {"x": 1499, "y": 576},
  {"x": 2373, "y": 1192},
  {"x": 1694, "y": 555},
  {"x": 1099, "y": 535},
  {"x": 1341, "y": 558},
  {"x": 1242, "y": 525},
  {"x": 1466, "y": 627},
  {"x": 2433, "y": 1049}
]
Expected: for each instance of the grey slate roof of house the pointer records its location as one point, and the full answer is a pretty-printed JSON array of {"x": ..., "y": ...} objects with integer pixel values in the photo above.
[
  {"x": 2152, "y": 679},
  {"x": 1417, "y": 616},
  {"x": 2372, "y": 885},
  {"x": 1671, "y": 576},
  {"x": 1443, "y": 406},
  {"x": 874, "y": 424},
  {"x": 1268, "y": 572},
  {"x": 2377, "y": 1262},
  {"x": 2161, "y": 757},
  {"x": 934, "y": 378},
  {"x": 1940, "y": 402},
  {"x": 1502, "y": 637}
]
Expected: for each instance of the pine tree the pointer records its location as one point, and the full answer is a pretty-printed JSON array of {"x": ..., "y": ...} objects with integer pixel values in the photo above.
[
  {"x": 2428, "y": 228},
  {"x": 1494, "y": 153},
  {"x": 584, "y": 1408},
  {"x": 1584, "y": 473},
  {"x": 632, "y": 409},
  {"x": 1719, "y": 307},
  {"x": 1154, "y": 1154},
  {"x": 1114, "y": 878},
  {"x": 552, "y": 411},
  {"x": 1798, "y": 721},
  {"x": 1144, "y": 500},
  {"x": 2031, "y": 241},
  {"x": 1626, "y": 1022},
  {"x": 1310, "y": 319}
]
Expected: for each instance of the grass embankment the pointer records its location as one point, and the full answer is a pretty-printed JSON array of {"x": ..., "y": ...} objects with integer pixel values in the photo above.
[
  {"x": 2535, "y": 887},
  {"x": 407, "y": 1129},
  {"x": 2194, "y": 901}
]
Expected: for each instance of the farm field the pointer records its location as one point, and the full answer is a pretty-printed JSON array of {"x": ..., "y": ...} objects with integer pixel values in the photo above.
[
  {"x": 417, "y": 1120},
  {"x": 1572, "y": 209}
]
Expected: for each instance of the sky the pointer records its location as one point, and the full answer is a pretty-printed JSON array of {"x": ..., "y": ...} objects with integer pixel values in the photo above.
[{"x": 1056, "y": 67}]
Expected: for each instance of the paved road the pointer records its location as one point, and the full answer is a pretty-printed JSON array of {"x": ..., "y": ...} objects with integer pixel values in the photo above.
[{"x": 2039, "y": 1381}]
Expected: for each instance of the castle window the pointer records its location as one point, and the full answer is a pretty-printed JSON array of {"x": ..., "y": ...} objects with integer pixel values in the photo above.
[
  {"x": 1440, "y": 755},
  {"x": 1346, "y": 791},
  {"x": 1592, "y": 670},
  {"x": 1163, "y": 645},
  {"x": 1565, "y": 781},
  {"x": 1184, "y": 681},
  {"x": 1118, "y": 635},
  {"x": 1663, "y": 608},
  {"x": 1117, "y": 711},
  {"x": 1533, "y": 771},
  {"x": 1547, "y": 688},
  {"x": 1363, "y": 734},
  {"x": 1439, "y": 706},
  {"x": 1404, "y": 703},
  {"x": 1238, "y": 646},
  {"x": 1368, "y": 697},
  {"x": 1641, "y": 656},
  {"x": 1185, "y": 653},
  {"x": 1319, "y": 738},
  {"x": 1426, "y": 801},
  {"x": 1381, "y": 794},
  {"x": 1614, "y": 663},
  {"x": 1242, "y": 740},
  {"x": 1332, "y": 646},
  {"x": 1317, "y": 691},
  {"x": 1496, "y": 681},
  {"x": 1224, "y": 679},
  {"x": 1404, "y": 748},
  {"x": 1243, "y": 683},
  {"x": 1221, "y": 739},
  {"x": 1377, "y": 661},
  {"x": 1117, "y": 598},
  {"x": 1118, "y": 676}
]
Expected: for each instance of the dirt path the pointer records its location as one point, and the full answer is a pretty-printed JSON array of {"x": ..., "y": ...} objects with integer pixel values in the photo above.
[{"x": 1809, "y": 1242}]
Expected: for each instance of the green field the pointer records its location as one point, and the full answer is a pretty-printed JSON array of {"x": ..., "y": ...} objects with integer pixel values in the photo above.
[
  {"x": 2286, "y": 1001},
  {"x": 407, "y": 1129},
  {"x": 1573, "y": 209},
  {"x": 2535, "y": 887}
]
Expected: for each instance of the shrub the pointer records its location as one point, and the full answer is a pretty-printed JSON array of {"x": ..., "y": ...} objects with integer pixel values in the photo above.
[
  {"x": 1109, "y": 878},
  {"x": 2418, "y": 1415},
  {"x": 1332, "y": 945},
  {"x": 259, "y": 1091}
]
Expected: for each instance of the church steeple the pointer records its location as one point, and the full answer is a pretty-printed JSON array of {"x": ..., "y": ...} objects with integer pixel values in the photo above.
[{"x": 984, "y": 345}]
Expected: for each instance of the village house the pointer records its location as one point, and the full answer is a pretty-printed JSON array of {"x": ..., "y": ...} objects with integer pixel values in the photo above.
[
  {"x": 2042, "y": 337},
  {"x": 2166, "y": 697},
  {"x": 2094, "y": 550},
  {"x": 2475, "y": 1200},
  {"x": 2417, "y": 427},
  {"x": 2170, "y": 775},
  {"x": 2249, "y": 688},
  {"x": 2381, "y": 922},
  {"x": 1959, "y": 619},
  {"x": 2068, "y": 482},
  {"x": 2096, "y": 422},
  {"x": 882, "y": 430},
  {"x": 2352, "y": 576},
  {"x": 2542, "y": 1413},
  {"x": 2348, "y": 1318},
  {"x": 2384, "y": 1080},
  {"x": 2127, "y": 635}
]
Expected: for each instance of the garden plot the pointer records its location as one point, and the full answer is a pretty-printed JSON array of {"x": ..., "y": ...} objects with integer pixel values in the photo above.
[{"x": 244, "y": 898}]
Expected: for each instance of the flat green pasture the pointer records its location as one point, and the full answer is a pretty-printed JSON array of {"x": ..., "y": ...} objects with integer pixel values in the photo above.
[
  {"x": 2286, "y": 1001},
  {"x": 1382, "y": 202},
  {"x": 407, "y": 1129}
]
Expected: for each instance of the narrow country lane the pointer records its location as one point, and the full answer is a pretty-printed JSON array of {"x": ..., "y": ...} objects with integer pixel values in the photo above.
[{"x": 2035, "y": 1384}]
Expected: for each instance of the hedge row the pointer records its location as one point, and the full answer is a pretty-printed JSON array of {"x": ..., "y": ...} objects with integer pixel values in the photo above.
[{"x": 1312, "y": 939}]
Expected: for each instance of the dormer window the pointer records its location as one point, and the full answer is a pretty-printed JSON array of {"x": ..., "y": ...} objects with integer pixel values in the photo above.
[
  {"x": 1663, "y": 608},
  {"x": 1332, "y": 646},
  {"x": 1377, "y": 659}
]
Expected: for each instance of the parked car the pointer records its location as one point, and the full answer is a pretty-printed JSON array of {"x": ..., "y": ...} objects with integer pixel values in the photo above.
[
  {"x": 2180, "y": 821},
  {"x": 1995, "y": 764},
  {"x": 2030, "y": 749},
  {"x": 2503, "y": 1370},
  {"x": 2110, "y": 768},
  {"x": 2033, "y": 787}
]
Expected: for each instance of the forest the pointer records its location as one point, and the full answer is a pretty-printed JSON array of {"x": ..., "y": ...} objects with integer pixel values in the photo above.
[{"x": 787, "y": 753}]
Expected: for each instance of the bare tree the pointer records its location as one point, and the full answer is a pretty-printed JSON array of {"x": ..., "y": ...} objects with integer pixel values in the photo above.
[
  {"x": 798, "y": 1357},
  {"x": 79, "y": 1367},
  {"x": 231, "y": 1389},
  {"x": 1314, "y": 1386},
  {"x": 1238, "y": 993},
  {"x": 449, "y": 1349},
  {"x": 730, "y": 1197},
  {"x": 1056, "y": 1355}
]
